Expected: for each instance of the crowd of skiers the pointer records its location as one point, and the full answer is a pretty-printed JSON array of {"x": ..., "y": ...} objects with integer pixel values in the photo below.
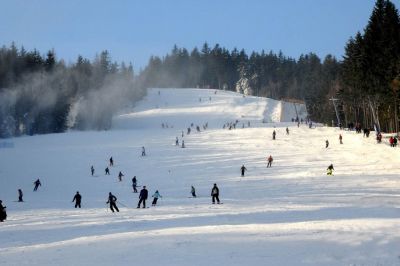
[{"x": 143, "y": 195}]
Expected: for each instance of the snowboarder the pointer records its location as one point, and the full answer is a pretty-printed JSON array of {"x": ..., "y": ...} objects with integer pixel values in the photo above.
[
  {"x": 330, "y": 170},
  {"x": 270, "y": 159},
  {"x": 3, "y": 213},
  {"x": 287, "y": 131},
  {"x": 92, "y": 170},
  {"x": 215, "y": 194},
  {"x": 183, "y": 144},
  {"x": 143, "y": 197},
  {"x": 242, "y": 169},
  {"x": 176, "y": 141},
  {"x": 143, "y": 152},
  {"x": 340, "y": 139},
  {"x": 111, "y": 161},
  {"x": 326, "y": 144},
  {"x": 120, "y": 175},
  {"x": 134, "y": 184},
  {"x": 193, "y": 191},
  {"x": 37, "y": 184},
  {"x": 112, "y": 201},
  {"x": 107, "y": 171},
  {"x": 20, "y": 195},
  {"x": 77, "y": 198},
  {"x": 155, "y": 196},
  {"x": 273, "y": 135}
]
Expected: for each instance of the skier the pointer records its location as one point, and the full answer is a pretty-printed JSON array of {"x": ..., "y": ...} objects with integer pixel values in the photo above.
[
  {"x": 77, "y": 198},
  {"x": 379, "y": 137},
  {"x": 112, "y": 201},
  {"x": 155, "y": 196},
  {"x": 326, "y": 143},
  {"x": 183, "y": 144},
  {"x": 188, "y": 131},
  {"x": 270, "y": 159},
  {"x": 92, "y": 170},
  {"x": 143, "y": 197},
  {"x": 134, "y": 183},
  {"x": 111, "y": 161},
  {"x": 215, "y": 194},
  {"x": 193, "y": 191},
  {"x": 3, "y": 213},
  {"x": 242, "y": 169},
  {"x": 107, "y": 171},
  {"x": 330, "y": 170},
  {"x": 120, "y": 175},
  {"x": 143, "y": 152},
  {"x": 182, "y": 133},
  {"x": 340, "y": 138},
  {"x": 273, "y": 135},
  {"x": 20, "y": 195},
  {"x": 287, "y": 131},
  {"x": 37, "y": 184},
  {"x": 391, "y": 141},
  {"x": 176, "y": 141}
]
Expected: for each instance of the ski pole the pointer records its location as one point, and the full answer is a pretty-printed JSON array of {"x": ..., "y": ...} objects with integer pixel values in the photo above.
[{"x": 122, "y": 204}]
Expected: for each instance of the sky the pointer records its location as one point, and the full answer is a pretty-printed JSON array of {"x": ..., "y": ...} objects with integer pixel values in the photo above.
[{"x": 133, "y": 30}]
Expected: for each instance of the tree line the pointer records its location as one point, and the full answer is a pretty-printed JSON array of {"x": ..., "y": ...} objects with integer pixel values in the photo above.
[{"x": 41, "y": 94}]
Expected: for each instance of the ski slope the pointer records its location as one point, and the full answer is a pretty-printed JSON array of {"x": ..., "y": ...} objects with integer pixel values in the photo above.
[{"x": 290, "y": 214}]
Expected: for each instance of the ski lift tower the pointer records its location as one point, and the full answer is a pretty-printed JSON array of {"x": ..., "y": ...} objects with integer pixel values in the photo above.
[{"x": 334, "y": 101}]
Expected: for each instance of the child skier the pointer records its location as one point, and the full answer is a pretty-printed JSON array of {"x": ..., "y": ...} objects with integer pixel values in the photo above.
[{"x": 155, "y": 196}]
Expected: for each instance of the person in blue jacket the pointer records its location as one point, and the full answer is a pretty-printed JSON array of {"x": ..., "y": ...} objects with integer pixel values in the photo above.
[{"x": 155, "y": 196}]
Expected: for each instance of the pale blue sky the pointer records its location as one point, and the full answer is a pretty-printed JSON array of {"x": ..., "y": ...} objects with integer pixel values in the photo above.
[{"x": 134, "y": 30}]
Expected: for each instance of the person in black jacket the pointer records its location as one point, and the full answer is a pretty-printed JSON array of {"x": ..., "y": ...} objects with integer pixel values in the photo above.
[
  {"x": 3, "y": 213},
  {"x": 20, "y": 195},
  {"x": 37, "y": 184},
  {"x": 143, "y": 197},
  {"x": 77, "y": 198},
  {"x": 215, "y": 194},
  {"x": 134, "y": 184},
  {"x": 111, "y": 161},
  {"x": 243, "y": 169},
  {"x": 112, "y": 201}
]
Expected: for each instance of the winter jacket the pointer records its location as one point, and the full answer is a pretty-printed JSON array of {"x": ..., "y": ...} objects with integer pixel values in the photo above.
[
  {"x": 112, "y": 199},
  {"x": 144, "y": 194},
  {"x": 157, "y": 195},
  {"x": 215, "y": 191}
]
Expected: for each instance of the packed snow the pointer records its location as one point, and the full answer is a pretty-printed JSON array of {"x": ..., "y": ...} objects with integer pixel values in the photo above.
[{"x": 289, "y": 214}]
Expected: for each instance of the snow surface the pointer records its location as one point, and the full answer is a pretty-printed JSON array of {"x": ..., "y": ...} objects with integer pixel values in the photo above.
[{"x": 290, "y": 214}]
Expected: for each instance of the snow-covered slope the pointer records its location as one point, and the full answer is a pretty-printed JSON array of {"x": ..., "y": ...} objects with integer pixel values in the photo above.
[
  {"x": 180, "y": 107},
  {"x": 290, "y": 214}
]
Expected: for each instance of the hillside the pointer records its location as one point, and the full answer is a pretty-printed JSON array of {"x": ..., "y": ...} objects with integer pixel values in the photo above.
[{"x": 290, "y": 214}]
